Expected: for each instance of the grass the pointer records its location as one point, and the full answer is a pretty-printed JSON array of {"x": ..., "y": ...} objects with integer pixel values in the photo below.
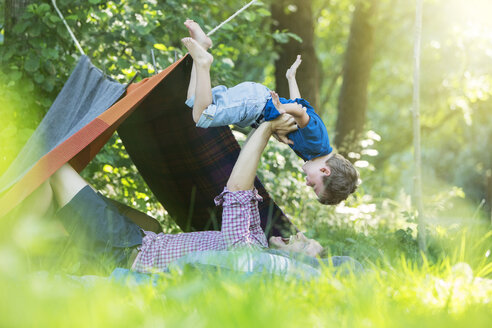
[
  {"x": 449, "y": 288},
  {"x": 403, "y": 296}
]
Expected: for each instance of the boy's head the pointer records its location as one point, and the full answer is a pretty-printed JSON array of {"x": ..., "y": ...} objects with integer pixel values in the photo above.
[{"x": 332, "y": 177}]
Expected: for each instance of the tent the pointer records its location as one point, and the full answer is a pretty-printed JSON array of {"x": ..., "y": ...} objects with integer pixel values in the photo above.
[{"x": 184, "y": 166}]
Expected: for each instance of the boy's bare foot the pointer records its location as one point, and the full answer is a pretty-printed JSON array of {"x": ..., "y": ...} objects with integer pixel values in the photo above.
[
  {"x": 200, "y": 56},
  {"x": 197, "y": 33}
]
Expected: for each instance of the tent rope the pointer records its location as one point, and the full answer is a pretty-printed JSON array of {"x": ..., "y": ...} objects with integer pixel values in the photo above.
[
  {"x": 77, "y": 44},
  {"x": 230, "y": 18}
]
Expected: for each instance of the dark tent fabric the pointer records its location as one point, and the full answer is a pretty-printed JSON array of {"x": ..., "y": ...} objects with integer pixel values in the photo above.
[{"x": 184, "y": 166}]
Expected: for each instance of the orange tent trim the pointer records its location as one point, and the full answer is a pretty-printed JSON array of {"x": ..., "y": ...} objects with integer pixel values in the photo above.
[{"x": 81, "y": 147}]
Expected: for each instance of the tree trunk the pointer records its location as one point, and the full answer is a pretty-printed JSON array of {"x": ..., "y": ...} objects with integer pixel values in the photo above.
[
  {"x": 13, "y": 10},
  {"x": 417, "y": 186},
  {"x": 296, "y": 16},
  {"x": 352, "y": 101}
]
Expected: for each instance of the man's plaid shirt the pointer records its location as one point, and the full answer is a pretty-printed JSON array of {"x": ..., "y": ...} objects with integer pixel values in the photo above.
[{"x": 240, "y": 227}]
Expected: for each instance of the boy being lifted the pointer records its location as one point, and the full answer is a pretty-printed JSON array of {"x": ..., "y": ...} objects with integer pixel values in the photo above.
[{"x": 332, "y": 177}]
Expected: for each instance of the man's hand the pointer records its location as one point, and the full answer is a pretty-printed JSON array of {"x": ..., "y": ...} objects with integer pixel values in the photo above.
[
  {"x": 291, "y": 72},
  {"x": 282, "y": 126}
]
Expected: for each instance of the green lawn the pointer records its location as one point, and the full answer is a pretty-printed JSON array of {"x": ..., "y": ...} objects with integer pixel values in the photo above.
[{"x": 451, "y": 289}]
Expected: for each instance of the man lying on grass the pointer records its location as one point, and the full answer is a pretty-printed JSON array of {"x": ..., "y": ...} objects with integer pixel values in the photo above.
[{"x": 132, "y": 239}]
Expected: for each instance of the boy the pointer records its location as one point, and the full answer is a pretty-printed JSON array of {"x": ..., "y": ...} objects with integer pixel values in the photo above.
[{"x": 331, "y": 176}]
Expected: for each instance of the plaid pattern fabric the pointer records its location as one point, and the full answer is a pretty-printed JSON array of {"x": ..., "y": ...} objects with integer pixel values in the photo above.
[
  {"x": 241, "y": 218},
  {"x": 186, "y": 166},
  {"x": 240, "y": 228}
]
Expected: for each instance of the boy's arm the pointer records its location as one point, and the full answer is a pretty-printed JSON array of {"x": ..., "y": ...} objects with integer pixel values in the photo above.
[
  {"x": 296, "y": 110},
  {"x": 244, "y": 172},
  {"x": 291, "y": 79}
]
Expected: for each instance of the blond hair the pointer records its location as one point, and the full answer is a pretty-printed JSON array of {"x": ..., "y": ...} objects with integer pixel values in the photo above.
[{"x": 341, "y": 182}]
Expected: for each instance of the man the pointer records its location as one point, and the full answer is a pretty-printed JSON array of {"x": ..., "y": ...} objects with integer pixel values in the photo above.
[{"x": 99, "y": 226}]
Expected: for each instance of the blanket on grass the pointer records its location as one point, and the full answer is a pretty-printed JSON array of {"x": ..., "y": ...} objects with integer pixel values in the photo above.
[{"x": 247, "y": 263}]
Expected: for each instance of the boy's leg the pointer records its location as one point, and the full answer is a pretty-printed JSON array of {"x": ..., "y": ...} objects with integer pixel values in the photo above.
[
  {"x": 197, "y": 34},
  {"x": 203, "y": 91},
  {"x": 192, "y": 85}
]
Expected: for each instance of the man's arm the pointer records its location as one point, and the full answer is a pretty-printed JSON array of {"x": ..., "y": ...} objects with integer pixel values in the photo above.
[
  {"x": 240, "y": 216},
  {"x": 244, "y": 171},
  {"x": 291, "y": 79}
]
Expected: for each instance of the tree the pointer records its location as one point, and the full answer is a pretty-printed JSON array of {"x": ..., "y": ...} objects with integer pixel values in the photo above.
[
  {"x": 296, "y": 16},
  {"x": 352, "y": 100},
  {"x": 417, "y": 194}
]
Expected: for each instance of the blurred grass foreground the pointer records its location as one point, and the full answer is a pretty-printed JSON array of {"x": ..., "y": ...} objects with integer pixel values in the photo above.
[{"x": 45, "y": 285}]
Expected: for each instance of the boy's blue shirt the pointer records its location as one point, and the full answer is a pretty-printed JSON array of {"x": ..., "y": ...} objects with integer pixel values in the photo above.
[{"x": 309, "y": 142}]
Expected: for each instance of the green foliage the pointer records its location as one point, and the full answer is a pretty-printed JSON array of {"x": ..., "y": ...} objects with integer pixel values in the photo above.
[
  {"x": 375, "y": 226},
  {"x": 455, "y": 87},
  {"x": 118, "y": 38}
]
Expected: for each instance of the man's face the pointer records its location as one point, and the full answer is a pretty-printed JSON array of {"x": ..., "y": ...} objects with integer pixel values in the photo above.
[
  {"x": 315, "y": 171},
  {"x": 297, "y": 243}
]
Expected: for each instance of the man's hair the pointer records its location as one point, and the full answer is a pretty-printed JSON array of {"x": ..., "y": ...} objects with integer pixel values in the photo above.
[{"x": 341, "y": 182}]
